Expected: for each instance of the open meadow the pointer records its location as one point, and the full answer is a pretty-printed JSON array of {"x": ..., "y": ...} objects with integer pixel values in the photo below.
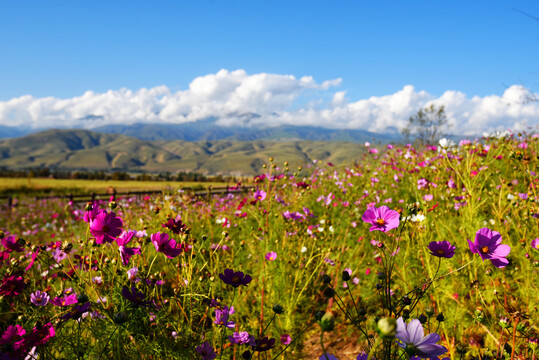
[{"x": 408, "y": 253}]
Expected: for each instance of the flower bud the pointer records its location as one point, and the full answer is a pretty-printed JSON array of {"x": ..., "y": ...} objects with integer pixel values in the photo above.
[
  {"x": 278, "y": 309},
  {"x": 429, "y": 311},
  {"x": 440, "y": 317},
  {"x": 326, "y": 279},
  {"x": 422, "y": 318},
  {"x": 387, "y": 327},
  {"x": 327, "y": 323},
  {"x": 120, "y": 317},
  {"x": 345, "y": 275},
  {"x": 329, "y": 292}
]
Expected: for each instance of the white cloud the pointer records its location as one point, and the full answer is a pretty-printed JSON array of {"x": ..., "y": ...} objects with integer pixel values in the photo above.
[{"x": 270, "y": 100}]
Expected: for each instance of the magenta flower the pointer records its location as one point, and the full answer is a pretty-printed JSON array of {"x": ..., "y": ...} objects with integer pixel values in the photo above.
[
  {"x": 11, "y": 285},
  {"x": 535, "y": 244},
  {"x": 165, "y": 245},
  {"x": 65, "y": 301},
  {"x": 271, "y": 256},
  {"x": 126, "y": 252},
  {"x": 412, "y": 339},
  {"x": 206, "y": 351},
  {"x": 382, "y": 218},
  {"x": 13, "y": 336},
  {"x": 286, "y": 339},
  {"x": 39, "y": 298},
  {"x": 488, "y": 244},
  {"x": 230, "y": 277},
  {"x": 105, "y": 227},
  {"x": 442, "y": 249},
  {"x": 11, "y": 243},
  {"x": 259, "y": 195}
]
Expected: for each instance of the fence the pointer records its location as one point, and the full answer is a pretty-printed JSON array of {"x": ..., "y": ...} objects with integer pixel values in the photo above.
[{"x": 84, "y": 198}]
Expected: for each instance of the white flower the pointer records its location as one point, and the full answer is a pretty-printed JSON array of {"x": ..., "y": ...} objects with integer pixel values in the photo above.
[
  {"x": 446, "y": 143},
  {"x": 510, "y": 196},
  {"x": 492, "y": 222},
  {"x": 304, "y": 249},
  {"x": 417, "y": 218}
]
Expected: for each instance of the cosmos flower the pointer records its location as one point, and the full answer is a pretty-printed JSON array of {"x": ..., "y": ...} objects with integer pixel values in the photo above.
[
  {"x": 206, "y": 351},
  {"x": 105, "y": 227},
  {"x": 241, "y": 338},
  {"x": 535, "y": 244},
  {"x": 126, "y": 252},
  {"x": 135, "y": 296},
  {"x": 412, "y": 339},
  {"x": 271, "y": 256},
  {"x": 442, "y": 249},
  {"x": 11, "y": 285},
  {"x": 264, "y": 344},
  {"x": 65, "y": 301},
  {"x": 230, "y": 277},
  {"x": 175, "y": 225},
  {"x": 11, "y": 243},
  {"x": 221, "y": 316},
  {"x": 488, "y": 244},
  {"x": 165, "y": 245},
  {"x": 382, "y": 218},
  {"x": 259, "y": 195},
  {"x": 39, "y": 298}
]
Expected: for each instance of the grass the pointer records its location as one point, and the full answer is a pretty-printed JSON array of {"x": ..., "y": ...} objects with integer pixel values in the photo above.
[{"x": 43, "y": 186}]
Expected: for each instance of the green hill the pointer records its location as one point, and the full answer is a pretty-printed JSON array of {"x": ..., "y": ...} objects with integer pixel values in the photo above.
[{"x": 82, "y": 149}]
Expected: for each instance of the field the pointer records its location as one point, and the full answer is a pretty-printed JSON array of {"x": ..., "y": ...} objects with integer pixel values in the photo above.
[
  {"x": 408, "y": 253},
  {"x": 19, "y": 187}
]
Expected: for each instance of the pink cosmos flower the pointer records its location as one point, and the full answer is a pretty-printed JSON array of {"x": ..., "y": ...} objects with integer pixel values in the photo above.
[
  {"x": 382, "y": 218},
  {"x": 126, "y": 252},
  {"x": 165, "y": 245},
  {"x": 535, "y": 244},
  {"x": 65, "y": 301},
  {"x": 488, "y": 244},
  {"x": 11, "y": 243},
  {"x": 259, "y": 195},
  {"x": 39, "y": 298},
  {"x": 271, "y": 256},
  {"x": 105, "y": 227}
]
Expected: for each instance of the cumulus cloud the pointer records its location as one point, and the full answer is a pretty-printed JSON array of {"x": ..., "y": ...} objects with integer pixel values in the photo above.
[{"x": 237, "y": 98}]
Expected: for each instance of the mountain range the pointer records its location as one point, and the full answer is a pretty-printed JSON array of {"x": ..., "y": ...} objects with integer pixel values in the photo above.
[{"x": 90, "y": 150}]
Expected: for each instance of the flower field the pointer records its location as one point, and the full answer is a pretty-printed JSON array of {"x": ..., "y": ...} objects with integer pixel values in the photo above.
[{"x": 410, "y": 253}]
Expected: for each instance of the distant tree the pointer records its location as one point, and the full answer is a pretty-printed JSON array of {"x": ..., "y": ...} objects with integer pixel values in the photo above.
[{"x": 427, "y": 125}]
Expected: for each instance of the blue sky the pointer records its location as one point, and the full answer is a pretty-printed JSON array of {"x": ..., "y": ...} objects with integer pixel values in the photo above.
[{"x": 65, "y": 48}]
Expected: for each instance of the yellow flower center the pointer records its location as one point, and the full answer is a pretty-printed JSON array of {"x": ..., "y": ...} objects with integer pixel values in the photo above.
[
  {"x": 484, "y": 250},
  {"x": 380, "y": 222},
  {"x": 440, "y": 252}
]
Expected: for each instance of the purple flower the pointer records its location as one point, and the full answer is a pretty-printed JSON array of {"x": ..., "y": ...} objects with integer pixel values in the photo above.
[
  {"x": 328, "y": 357},
  {"x": 264, "y": 344},
  {"x": 39, "y": 298},
  {"x": 230, "y": 277},
  {"x": 76, "y": 312},
  {"x": 286, "y": 339},
  {"x": 221, "y": 316},
  {"x": 206, "y": 351},
  {"x": 442, "y": 249},
  {"x": 412, "y": 339},
  {"x": 241, "y": 338},
  {"x": 271, "y": 256},
  {"x": 65, "y": 301},
  {"x": 11, "y": 243},
  {"x": 135, "y": 296},
  {"x": 175, "y": 225},
  {"x": 382, "y": 218},
  {"x": 126, "y": 252},
  {"x": 259, "y": 195},
  {"x": 488, "y": 244},
  {"x": 13, "y": 336},
  {"x": 105, "y": 227},
  {"x": 165, "y": 245}
]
